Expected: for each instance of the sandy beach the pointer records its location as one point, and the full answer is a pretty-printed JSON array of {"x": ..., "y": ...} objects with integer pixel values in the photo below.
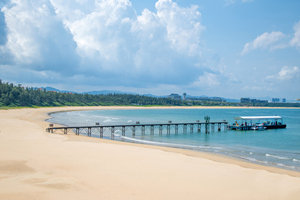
[{"x": 35, "y": 164}]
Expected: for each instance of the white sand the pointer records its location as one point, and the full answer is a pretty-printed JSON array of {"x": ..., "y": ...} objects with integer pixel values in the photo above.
[{"x": 35, "y": 164}]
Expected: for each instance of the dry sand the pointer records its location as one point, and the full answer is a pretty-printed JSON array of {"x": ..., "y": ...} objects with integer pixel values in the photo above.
[{"x": 35, "y": 164}]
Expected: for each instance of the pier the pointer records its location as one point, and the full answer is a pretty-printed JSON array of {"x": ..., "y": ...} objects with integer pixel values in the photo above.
[{"x": 144, "y": 128}]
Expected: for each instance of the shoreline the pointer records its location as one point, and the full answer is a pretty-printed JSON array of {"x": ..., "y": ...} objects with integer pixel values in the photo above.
[
  {"x": 40, "y": 165},
  {"x": 200, "y": 154},
  {"x": 149, "y": 107}
]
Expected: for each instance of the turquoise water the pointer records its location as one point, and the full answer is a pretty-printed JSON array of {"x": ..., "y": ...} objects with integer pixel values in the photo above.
[{"x": 279, "y": 147}]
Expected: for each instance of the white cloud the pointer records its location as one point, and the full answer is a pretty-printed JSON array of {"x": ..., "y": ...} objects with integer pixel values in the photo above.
[
  {"x": 265, "y": 41},
  {"x": 36, "y": 39},
  {"x": 106, "y": 41},
  {"x": 285, "y": 74},
  {"x": 296, "y": 39},
  {"x": 207, "y": 80}
]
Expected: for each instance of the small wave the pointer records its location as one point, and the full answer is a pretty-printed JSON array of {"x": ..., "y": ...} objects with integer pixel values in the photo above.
[
  {"x": 287, "y": 166},
  {"x": 278, "y": 157},
  {"x": 296, "y": 160},
  {"x": 281, "y": 165},
  {"x": 107, "y": 120},
  {"x": 129, "y": 121},
  {"x": 244, "y": 158}
]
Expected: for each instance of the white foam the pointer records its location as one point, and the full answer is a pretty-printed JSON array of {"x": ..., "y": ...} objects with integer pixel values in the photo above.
[
  {"x": 278, "y": 157},
  {"x": 286, "y": 166}
]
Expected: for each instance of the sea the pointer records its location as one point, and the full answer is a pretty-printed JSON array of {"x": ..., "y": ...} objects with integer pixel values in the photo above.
[{"x": 277, "y": 147}]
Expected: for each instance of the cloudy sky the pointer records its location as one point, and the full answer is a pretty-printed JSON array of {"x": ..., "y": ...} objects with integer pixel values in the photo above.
[{"x": 227, "y": 48}]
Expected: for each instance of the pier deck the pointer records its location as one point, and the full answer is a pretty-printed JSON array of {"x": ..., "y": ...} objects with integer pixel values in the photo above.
[{"x": 100, "y": 129}]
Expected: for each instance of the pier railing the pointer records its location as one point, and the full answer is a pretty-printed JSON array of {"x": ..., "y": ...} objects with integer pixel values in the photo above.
[{"x": 143, "y": 128}]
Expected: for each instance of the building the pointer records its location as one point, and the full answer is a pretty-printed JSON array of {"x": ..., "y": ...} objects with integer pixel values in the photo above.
[
  {"x": 275, "y": 100},
  {"x": 284, "y": 100},
  {"x": 248, "y": 100},
  {"x": 216, "y": 99},
  {"x": 245, "y": 100},
  {"x": 174, "y": 96},
  {"x": 184, "y": 96},
  {"x": 203, "y": 99}
]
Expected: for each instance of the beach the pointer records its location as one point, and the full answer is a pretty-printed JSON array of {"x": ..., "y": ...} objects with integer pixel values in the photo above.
[{"x": 35, "y": 164}]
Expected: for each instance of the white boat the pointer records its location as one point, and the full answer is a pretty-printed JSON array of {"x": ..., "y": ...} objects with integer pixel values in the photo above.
[
  {"x": 257, "y": 123},
  {"x": 258, "y": 128}
]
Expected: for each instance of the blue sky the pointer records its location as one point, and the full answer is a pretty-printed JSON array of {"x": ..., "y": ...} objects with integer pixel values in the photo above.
[{"x": 227, "y": 48}]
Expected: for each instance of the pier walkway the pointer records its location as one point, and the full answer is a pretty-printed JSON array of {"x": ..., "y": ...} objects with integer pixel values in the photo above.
[{"x": 161, "y": 127}]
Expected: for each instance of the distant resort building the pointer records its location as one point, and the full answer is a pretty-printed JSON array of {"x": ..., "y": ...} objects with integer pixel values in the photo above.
[
  {"x": 198, "y": 98},
  {"x": 275, "y": 100},
  {"x": 184, "y": 96},
  {"x": 214, "y": 99},
  {"x": 174, "y": 96},
  {"x": 217, "y": 99},
  {"x": 248, "y": 100},
  {"x": 284, "y": 100}
]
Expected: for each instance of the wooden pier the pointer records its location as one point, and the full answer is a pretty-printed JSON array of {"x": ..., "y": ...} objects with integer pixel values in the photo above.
[{"x": 133, "y": 128}]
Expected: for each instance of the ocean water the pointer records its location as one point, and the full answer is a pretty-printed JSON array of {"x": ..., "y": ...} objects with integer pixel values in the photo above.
[{"x": 278, "y": 147}]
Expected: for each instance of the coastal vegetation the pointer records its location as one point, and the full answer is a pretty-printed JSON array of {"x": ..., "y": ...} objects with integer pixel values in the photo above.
[{"x": 13, "y": 96}]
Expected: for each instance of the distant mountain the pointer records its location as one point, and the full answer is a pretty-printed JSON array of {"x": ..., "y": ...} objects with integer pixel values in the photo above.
[
  {"x": 108, "y": 92},
  {"x": 57, "y": 90},
  {"x": 264, "y": 98},
  {"x": 51, "y": 89},
  {"x": 105, "y": 92}
]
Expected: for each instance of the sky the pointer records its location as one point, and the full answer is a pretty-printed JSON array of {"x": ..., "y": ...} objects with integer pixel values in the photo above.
[{"x": 224, "y": 48}]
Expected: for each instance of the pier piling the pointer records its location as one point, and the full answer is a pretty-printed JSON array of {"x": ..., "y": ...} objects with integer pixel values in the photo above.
[
  {"x": 191, "y": 128},
  {"x": 101, "y": 132},
  {"x": 144, "y": 127},
  {"x": 123, "y": 130},
  {"x": 176, "y": 128}
]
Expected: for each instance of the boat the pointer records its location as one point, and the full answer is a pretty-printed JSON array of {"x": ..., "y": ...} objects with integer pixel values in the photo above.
[
  {"x": 258, "y": 128},
  {"x": 257, "y": 123}
]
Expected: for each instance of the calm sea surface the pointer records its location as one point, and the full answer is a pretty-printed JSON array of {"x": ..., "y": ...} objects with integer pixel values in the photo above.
[{"x": 279, "y": 147}]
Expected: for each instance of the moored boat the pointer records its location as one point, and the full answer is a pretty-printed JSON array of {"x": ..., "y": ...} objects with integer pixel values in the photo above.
[{"x": 257, "y": 123}]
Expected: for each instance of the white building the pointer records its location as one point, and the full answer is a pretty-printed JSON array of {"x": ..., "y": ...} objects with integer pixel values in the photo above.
[{"x": 174, "y": 96}]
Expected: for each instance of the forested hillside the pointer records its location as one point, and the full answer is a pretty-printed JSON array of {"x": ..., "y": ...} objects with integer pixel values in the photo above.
[
  {"x": 13, "y": 96},
  {"x": 18, "y": 96}
]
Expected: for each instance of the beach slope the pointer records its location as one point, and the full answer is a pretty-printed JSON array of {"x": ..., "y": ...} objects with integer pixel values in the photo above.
[{"x": 35, "y": 164}]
